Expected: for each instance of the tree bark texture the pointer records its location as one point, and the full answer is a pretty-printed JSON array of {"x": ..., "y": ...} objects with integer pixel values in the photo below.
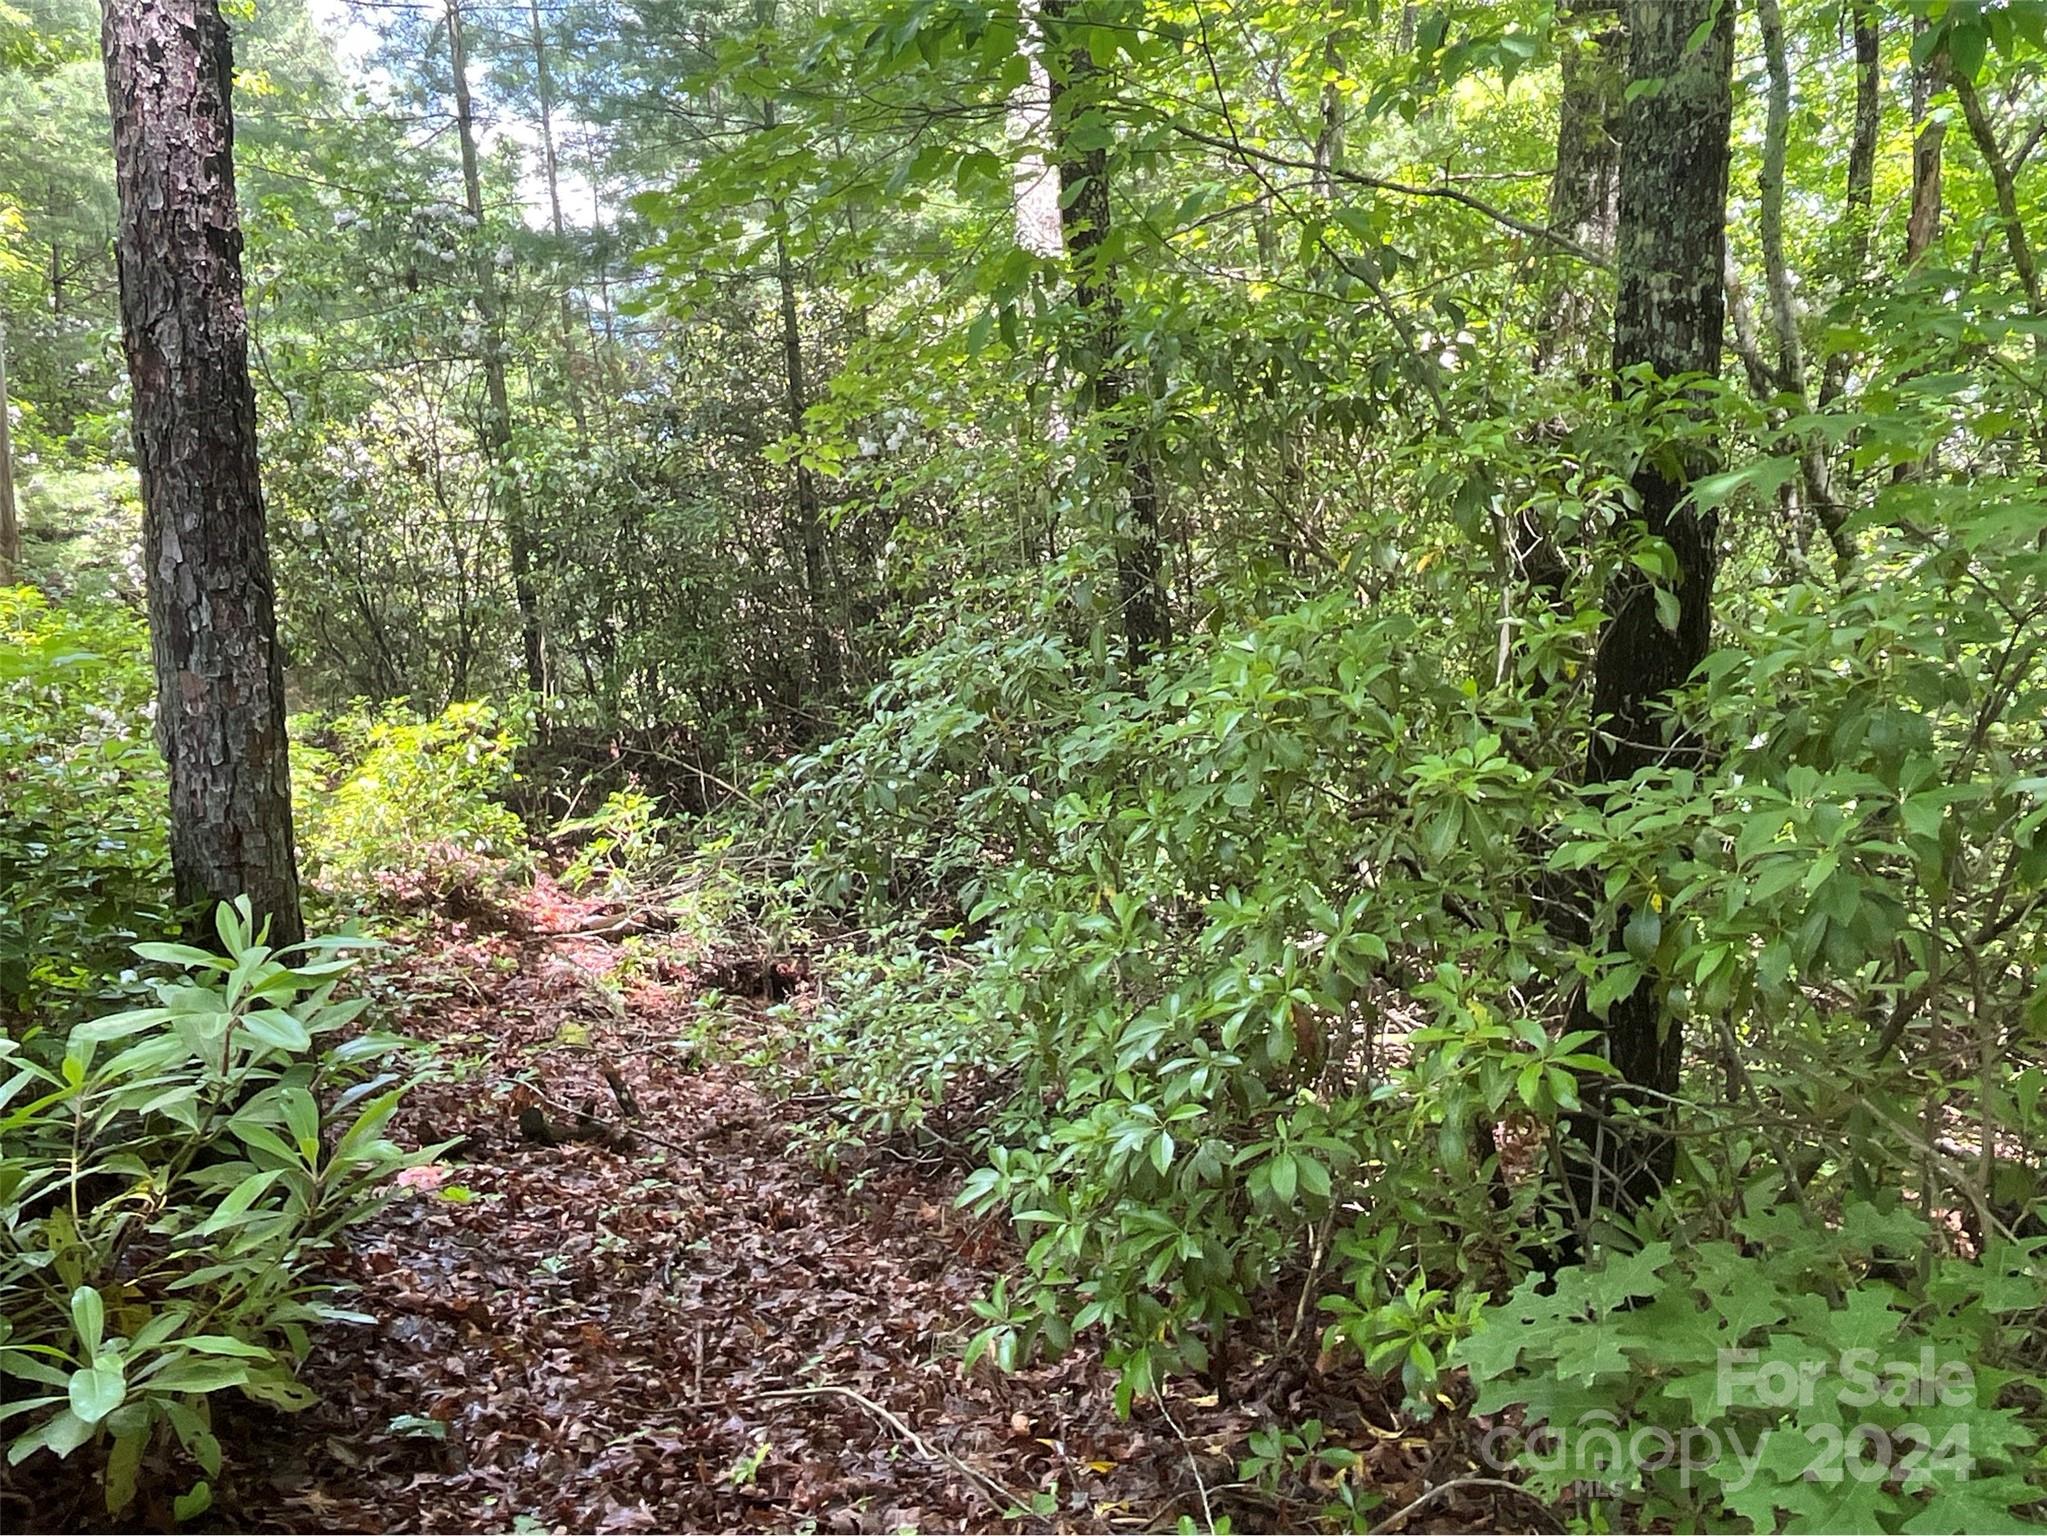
[
  {"x": 1086, "y": 220},
  {"x": 1584, "y": 190},
  {"x": 212, "y": 607},
  {"x": 1922, "y": 226},
  {"x": 1861, "y": 196},
  {"x": 1584, "y": 206},
  {"x": 1670, "y": 313}
]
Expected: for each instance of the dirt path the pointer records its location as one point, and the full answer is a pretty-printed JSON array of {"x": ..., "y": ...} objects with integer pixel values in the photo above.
[{"x": 704, "y": 1334}]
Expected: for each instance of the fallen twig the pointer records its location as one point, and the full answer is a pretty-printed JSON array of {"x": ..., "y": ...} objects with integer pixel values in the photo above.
[
  {"x": 1000, "y": 1497},
  {"x": 1200, "y": 1483},
  {"x": 1399, "y": 1517},
  {"x": 622, "y": 1131}
]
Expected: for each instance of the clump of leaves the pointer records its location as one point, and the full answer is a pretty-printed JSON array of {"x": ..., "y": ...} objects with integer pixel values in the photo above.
[
  {"x": 618, "y": 844},
  {"x": 1779, "y": 1380},
  {"x": 83, "y": 854},
  {"x": 167, "y": 1180},
  {"x": 406, "y": 809}
]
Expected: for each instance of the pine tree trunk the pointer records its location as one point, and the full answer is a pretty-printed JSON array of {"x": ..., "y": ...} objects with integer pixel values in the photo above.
[
  {"x": 1670, "y": 314},
  {"x": 212, "y": 611}
]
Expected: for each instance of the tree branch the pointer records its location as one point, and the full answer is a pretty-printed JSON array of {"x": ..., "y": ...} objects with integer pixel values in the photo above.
[{"x": 1399, "y": 188}]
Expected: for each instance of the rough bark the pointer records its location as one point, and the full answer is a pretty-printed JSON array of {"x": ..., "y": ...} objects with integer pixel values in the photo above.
[
  {"x": 497, "y": 424},
  {"x": 1085, "y": 218},
  {"x": 1584, "y": 190},
  {"x": 1670, "y": 314},
  {"x": 1584, "y": 206},
  {"x": 1923, "y": 223},
  {"x": 212, "y": 609}
]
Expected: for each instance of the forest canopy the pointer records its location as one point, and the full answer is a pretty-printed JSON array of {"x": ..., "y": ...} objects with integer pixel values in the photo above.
[{"x": 1361, "y": 684}]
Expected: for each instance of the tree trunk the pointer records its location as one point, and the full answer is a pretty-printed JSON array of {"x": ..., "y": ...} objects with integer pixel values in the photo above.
[
  {"x": 550, "y": 163},
  {"x": 212, "y": 611},
  {"x": 1584, "y": 206},
  {"x": 1671, "y": 315},
  {"x": 2005, "y": 185},
  {"x": 824, "y": 651},
  {"x": 1584, "y": 190},
  {"x": 10, "y": 520},
  {"x": 1816, "y": 475},
  {"x": 1085, "y": 219},
  {"x": 497, "y": 426},
  {"x": 1861, "y": 198},
  {"x": 1924, "y": 222}
]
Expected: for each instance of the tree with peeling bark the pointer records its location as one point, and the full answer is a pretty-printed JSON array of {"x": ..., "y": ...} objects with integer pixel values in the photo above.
[{"x": 205, "y": 551}]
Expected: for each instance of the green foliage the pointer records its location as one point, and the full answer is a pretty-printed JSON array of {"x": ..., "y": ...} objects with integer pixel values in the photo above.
[
  {"x": 84, "y": 862},
  {"x": 168, "y": 1177},
  {"x": 1777, "y": 1379},
  {"x": 1282, "y": 1459},
  {"x": 621, "y": 843},
  {"x": 406, "y": 808}
]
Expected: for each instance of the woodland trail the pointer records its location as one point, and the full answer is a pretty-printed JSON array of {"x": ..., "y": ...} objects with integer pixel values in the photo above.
[{"x": 706, "y": 1331}]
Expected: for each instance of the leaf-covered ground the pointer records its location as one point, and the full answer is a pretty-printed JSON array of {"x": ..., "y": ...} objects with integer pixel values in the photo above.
[{"x": 704, "y": 1330}]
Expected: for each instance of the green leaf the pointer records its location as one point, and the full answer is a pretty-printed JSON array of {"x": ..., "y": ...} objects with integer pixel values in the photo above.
[
  {"x": 124, "y": 1461},
  {"x": 1643, "y": 933},
  {"x": 1966, "y": 44},
  {"x": 192, "y": 1373},
  {"x": 276, "y": 1028},
  {"x": 238, "y": 1201},
  {"x": 89, "y": 1317},
  {"x": 223, "y": 1344},
  {"x": 1283, "y": 1176},
  {"x": 191, "y": 1505},
  {"x": 98, "y": 1389},
  {"x": 63, "y": 1434},
  {"x": 183, "y": 955},
  {"x": 1669, "y": 612}
]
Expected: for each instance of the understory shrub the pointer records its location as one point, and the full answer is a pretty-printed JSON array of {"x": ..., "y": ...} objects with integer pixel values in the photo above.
[
  {"x": 1774, "y": 1377},
  {"x": 84, "y": 856},
  {"x": 406, "y": 809},
  {"x": 1270, "y": 963},
  {"x": 169, "y": 1177}
]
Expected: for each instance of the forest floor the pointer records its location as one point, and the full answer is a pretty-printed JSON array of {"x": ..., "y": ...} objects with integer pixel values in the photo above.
[{"x": 706, "y": 1330}]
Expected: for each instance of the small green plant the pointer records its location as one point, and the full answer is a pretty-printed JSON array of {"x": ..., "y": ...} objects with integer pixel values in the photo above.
[
  {"x": 407, "y": 809},
  {"x": 84, "y": 861},
  {"x": 167, "y": 1179},
  {"x": 620, "y": 842},
  {"x": 1301, "y": 1460}
]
